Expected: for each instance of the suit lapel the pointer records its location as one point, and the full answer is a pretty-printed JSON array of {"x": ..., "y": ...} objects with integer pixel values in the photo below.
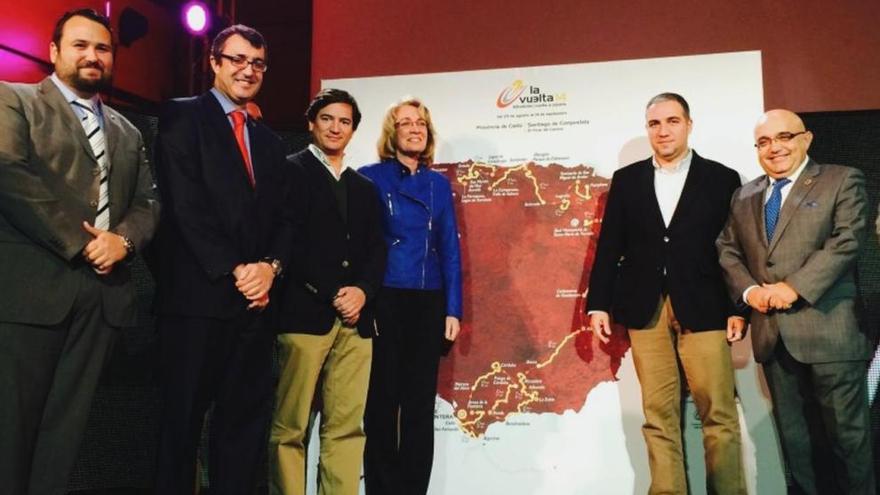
[
  {"x": 259, "y": 153},
  {"x": 757, "y": 205},
  {"x": 693, "y": 186},
  {"x": 646, "y": 184},
  {"x": 325, "y": 194},
  {"x": 799, "y": 190},
  {"x": 219, "y": 123},
  {"x": 111, "y": 133},
  {"x": 54, "y": 99}
]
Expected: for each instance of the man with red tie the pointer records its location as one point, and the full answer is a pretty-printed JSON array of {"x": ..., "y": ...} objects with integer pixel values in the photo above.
[{"x": 223, "y": 241}]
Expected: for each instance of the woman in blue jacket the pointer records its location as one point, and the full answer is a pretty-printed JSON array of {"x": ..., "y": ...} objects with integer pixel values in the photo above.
[{"x": 417, "y": 308}]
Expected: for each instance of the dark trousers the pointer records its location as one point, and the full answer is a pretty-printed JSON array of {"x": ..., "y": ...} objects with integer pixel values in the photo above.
[
  {"x": 48, "y": 377},
  {"x": 399, "y": 419},
  {"x": 819, "y": 409},
  {"x": 227, "y": 363}
]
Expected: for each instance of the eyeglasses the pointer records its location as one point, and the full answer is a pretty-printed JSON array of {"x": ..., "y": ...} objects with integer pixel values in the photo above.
[
  {"x": 240, "y": 62},
  {"x": 782, "y": 137},
  {"x": 409, "y": 124}
]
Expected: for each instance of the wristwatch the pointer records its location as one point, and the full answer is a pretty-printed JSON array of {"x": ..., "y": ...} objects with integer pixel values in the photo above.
[
  {"x": 129, "y": 246},
  {"x": 275, "y": 264}
]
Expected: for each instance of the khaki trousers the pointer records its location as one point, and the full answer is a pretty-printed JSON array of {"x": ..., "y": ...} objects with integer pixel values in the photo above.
[
  {"x": 661, "y": 353},
  {"x": 341, "y": 360}
]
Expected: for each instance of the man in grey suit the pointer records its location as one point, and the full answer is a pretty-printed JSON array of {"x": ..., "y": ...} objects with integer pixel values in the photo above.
[
  {"x": 76, "y": 200},
  {"x": 789, "y": 251}
]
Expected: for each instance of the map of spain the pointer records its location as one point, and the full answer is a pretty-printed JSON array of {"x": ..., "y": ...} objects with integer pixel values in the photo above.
[{"x": 528, "y": 235}]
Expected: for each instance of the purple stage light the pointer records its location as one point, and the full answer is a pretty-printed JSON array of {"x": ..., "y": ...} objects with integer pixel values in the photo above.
[{"x": 195, "y": 18}]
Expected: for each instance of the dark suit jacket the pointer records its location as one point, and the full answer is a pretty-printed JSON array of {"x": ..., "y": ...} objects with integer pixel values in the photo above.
[
  {"x": 329, "y": 253},
  {"x": 213, "y": 219},
  {"x": 635, "y": 247},
  {"x": 821, "y": 228},
  {"x": 48, "y": 187}
]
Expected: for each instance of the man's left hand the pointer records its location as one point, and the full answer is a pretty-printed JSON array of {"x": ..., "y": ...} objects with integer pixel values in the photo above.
[
  {"x": 104, "y": 250},
  {"x": 782, "y": 295},
  {"x": 349, "y": 301},
  {"x": 254, "y": 280},
  {"x": 736, "y": 328}
]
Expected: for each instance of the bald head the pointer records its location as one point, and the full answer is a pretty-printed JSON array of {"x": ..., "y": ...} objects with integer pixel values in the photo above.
[
  {"x": 782, "y": 142},
  {"x": 786, "y": 117}
]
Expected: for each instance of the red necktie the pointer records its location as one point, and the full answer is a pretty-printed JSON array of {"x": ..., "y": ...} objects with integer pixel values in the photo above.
[
  {"x": 238, "y": 120},
  {"x": 253, "y": 110}
]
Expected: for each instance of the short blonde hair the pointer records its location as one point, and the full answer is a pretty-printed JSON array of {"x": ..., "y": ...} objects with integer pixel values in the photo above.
[{"x": 387, "y": 145}]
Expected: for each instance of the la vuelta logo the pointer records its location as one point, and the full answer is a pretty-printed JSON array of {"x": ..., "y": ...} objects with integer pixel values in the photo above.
[
  {"x": 515, "y": 94},
  {"x": 509, "y": 95}
]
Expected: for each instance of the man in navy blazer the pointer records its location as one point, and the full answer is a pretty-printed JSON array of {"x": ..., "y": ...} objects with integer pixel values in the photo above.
[
  {"x": 224, "y": 239},
  {"x": 325, "y": 317},
  {"x": 656, "y": 271}
]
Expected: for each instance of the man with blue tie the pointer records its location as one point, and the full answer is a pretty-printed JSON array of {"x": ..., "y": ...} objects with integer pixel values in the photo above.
[
  {"x": 76, "y": 201},
  {"x": 224, "y": 240},
  {"x": 789, "y": 251}
]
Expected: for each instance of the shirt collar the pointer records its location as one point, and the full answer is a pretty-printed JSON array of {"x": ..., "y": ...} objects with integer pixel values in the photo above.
[
  {"x": 793, "y": 177},
  {"x": 681, "y": 167},
  {"x": 322, "y": 157},
  {"x": 405, "y": 171},
  {"x": 226, "y": 103},
  {"x": 70, "y": 96}
]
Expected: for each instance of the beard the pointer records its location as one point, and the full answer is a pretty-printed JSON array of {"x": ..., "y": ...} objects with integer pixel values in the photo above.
[{"x": 90, "y": 85}]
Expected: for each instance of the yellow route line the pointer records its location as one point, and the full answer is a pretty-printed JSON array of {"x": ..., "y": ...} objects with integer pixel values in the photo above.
[
  {"x": 506, "y": 398},
  {"x": 577, "y": 190},
  {"x": 533, "y": 396},
  {"x": 473, "y": 173},
  {"x": 558, "y": 348},
  {"x": 524, "y": 389},
  {"x": 528, "y": 173},
  {"x": 496, "y": 368}
]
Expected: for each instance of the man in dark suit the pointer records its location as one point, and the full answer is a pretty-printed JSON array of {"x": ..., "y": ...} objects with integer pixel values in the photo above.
[
  {"x": 325, "y": 316},
  {"x": 76, "y": 200},
  {"x": 225, "y": 237},
  {"x": 789, "y": 251},
  {"x": 656, "y": 270}
]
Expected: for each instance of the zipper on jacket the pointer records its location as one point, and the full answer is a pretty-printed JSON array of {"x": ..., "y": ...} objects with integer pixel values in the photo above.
[
  {"x": 428, "y": 236},
  {"x": 390, "y": 205}
]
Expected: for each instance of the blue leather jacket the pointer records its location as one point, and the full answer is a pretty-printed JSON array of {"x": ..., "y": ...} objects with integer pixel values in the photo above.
[{"x": 420, "y": 230}]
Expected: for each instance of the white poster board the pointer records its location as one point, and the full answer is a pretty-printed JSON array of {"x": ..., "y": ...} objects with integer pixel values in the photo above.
[{"x": 528, "y": 402}]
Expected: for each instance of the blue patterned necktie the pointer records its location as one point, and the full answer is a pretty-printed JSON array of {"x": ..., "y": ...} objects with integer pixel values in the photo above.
[{"x": 771, "y": 209}]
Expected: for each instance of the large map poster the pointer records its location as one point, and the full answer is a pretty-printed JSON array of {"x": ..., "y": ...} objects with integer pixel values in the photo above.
[{"x": 528, "y": 401}]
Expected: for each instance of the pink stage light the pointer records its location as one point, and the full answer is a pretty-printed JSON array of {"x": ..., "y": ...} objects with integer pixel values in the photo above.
[{"x": 195, "y": 18}]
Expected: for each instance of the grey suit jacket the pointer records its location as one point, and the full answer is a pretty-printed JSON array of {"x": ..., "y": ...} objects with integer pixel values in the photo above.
[
  {"x": 814, "y": 249},
  {"x": 48, "y": 187}
]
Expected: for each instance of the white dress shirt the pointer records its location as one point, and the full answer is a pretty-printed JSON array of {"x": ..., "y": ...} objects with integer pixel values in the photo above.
[
  {"x": 322, "y": 157},
  {"x": 669, "y": 183}
]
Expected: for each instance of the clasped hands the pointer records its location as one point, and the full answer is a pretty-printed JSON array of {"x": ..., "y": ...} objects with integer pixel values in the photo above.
[
  {"x": 348, "y": 302},
  {"x": 765, "y": 297},
  {"x": 104, "y": 250},
  {"x": 254, "y": 280}
]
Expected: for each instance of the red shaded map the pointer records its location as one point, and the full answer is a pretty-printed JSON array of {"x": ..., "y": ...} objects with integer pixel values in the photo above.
[{"x": 528, "y": 239}]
